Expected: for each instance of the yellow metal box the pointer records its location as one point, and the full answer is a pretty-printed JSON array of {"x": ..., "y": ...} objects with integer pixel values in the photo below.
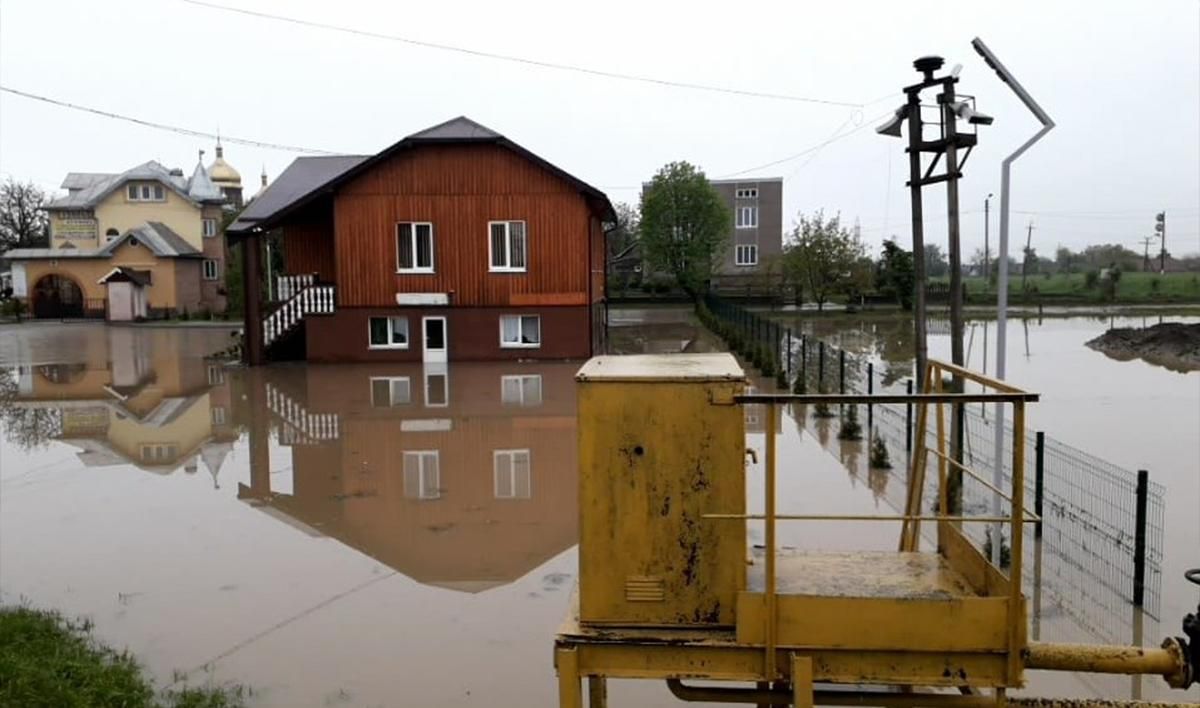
[{"x": 660, "y": 445}]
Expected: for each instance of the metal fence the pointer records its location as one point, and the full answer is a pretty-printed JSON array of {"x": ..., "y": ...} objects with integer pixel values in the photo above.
[{"x": 1090, "y": 533}]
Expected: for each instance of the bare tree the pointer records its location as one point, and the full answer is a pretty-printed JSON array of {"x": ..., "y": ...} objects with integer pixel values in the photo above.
[{"x": 24, "y": 222}]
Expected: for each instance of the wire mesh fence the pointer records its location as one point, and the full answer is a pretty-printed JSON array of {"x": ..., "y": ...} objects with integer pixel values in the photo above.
[{"x": 1090, "y": 506}]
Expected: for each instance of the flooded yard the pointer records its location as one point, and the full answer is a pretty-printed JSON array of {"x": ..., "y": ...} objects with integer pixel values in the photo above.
[{"x": 388, "y": 535}]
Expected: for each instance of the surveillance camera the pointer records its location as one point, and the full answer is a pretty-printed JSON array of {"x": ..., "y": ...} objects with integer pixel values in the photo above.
[{"x": 963, "y": 110}]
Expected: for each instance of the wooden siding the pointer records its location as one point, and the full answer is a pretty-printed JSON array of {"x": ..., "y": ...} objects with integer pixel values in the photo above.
[
  {"x": 308, "y": 245},
  {"x": 459, "y": 189}
]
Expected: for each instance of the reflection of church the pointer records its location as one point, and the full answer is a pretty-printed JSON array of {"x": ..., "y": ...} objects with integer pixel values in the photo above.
[
  {"x": 134, "y": 397},
  {"x": 461, "y": 477}
]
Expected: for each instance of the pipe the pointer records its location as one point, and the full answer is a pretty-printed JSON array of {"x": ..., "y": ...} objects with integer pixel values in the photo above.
[
  {"x": 713, "y": 694},
  {"x": 1169, "y": 661}
]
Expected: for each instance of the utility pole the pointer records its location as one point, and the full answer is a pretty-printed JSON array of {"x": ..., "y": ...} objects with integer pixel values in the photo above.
[
  {"x": 1025, "y": 259},
  {"x": 913, "y": 106},
  {"x": 1146, "y": 254},
  {"x": 986, "y": 249},
  {"x": 1160, "y": 225}
]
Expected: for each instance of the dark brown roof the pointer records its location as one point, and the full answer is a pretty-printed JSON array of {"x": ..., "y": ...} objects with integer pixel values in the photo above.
[
  {"x": 127, "y": 275},
  {"x": 315, "y": 180}
]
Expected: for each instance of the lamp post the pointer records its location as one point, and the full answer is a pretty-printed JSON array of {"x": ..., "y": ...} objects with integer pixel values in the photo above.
[{"x": 1002, "y": 275}]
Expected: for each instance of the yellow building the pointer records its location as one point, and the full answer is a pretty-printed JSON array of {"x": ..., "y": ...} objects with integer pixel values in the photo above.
[{"x": 144, "y": 243}]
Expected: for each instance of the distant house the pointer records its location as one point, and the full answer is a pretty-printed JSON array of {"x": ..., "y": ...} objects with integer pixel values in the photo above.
[
  {"x": 453, "y": 244},
  {"x": 143, "y": 243}
]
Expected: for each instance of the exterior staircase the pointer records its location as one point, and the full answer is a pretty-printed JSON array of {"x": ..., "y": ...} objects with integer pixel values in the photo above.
[{"x": 301, "y": 296}]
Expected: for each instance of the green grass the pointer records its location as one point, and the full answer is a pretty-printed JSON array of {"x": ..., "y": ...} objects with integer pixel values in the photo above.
[
  {"x": 1133, "y": 287},
  {"x": 50, "y": 661}
]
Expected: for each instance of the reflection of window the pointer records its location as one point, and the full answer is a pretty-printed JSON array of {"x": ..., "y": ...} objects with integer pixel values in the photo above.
[
  {"x": 212, "y": 270},
  {"x": 216, "y": 375},
  {"x": 388, "y": 391},
  {"x": 506, "y": 244},
  {"x": 520, "y": 331},
  {"x": 746, "y": 255},
  {"x": 510, "y": 469},
  {"x": 421, "y": 474},
  {"x": 752, "y": 410},
  {"x": 437, "y": 390},
  {"x": 414, "y": 248},
  {"x": 747, "y": 217},
  {"x": 388, "y": 333},
  {"x": 521, "y": 390},
  {"x": 218, "y": 415},
  {"x": 62, "y": 373},
  {"x": 159, "y": 453}
]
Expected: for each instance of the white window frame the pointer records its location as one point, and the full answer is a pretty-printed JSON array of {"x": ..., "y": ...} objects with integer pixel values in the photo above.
[
  {"x": 522, "y": 397},
  {"x": 746, "y": 193},
  {"x": 745, "y": 248},
  {"x": 216, "y": 374},
  {"x": 158, "y": 452},
  {"x": 218, "y": 415},
  {"x": 211, "y": 264},
  {"x": 520, "y": 333},
  {"x": 431, "y": 376},
  {"x": 391, "y": 333},
  {"x": 512, "y": 491},
  {"x": 145, "y": 192},
  {"x": 208, "y": 227},
  {"x": 424, "y": 475},
  {"x": 507, "y": 267},
  {"x": 393, "y": 401},
  {"x": 746, "y": 217},
  {"x": 413, "y": 236}
]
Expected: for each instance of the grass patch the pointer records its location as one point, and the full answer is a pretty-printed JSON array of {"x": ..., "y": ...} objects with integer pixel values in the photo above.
[
  {"x": 1133, "y": 287},
  {"x": 50, "y": 661}
]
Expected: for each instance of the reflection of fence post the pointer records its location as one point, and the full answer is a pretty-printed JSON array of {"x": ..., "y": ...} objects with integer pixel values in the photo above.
[
  {"x": 1139, "y": 540},
  {"x": 789, "y": 355},
  {"x": 841, "y": 371},
  {"x": 1039, "y": 480},
  {"x": 821, "y": 366},
  {"x": 908, "y": 419},
  {"x": 803, "y": 374},
  {"x": 870, "y": 390}
]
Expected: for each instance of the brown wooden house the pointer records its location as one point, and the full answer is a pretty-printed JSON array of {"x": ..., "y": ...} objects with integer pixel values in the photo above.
[{"x": 453, "y": 244}]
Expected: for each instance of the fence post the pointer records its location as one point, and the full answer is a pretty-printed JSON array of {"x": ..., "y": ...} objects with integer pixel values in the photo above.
[
  {"x": 870, "y": 391},
  {"x": 1039, "y": 480},
  {"x": 908, "y": 419},
  {"x": 841, "y": 371},
  {"x": 1139, "y": 540},
  {"x": 821, "y": 366},
  {"x": 803, "y": 374}
]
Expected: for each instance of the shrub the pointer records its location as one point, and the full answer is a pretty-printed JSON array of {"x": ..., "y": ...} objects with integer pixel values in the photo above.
[
  {"x": 850, "y": 430},
  {"x": 800, "y": 386},
  {"x": 879, "y": 457},
  {"x": 781, "y": 380},
  {"x": 1090, "y": 279},
  {"x": 184, "y": 315}
]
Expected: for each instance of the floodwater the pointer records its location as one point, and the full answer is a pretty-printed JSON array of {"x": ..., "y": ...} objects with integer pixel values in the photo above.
[{"x": 396, "y": 535}]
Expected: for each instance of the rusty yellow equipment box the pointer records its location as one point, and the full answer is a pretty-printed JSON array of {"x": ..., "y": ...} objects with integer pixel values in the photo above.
[{"x": 660, "y": 445}]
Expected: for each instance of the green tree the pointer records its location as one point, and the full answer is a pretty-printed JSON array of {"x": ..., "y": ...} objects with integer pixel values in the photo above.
[
  {"x": 936, "y": 264},
  {"x": 684, "y": 225},
  {"x": 1064, "y": 260},
  {"x": 823, "y": 257},
  {"x": 24, "y": 222},
  {"x": 622, "y": 238},
  {"x": 895, "y": 275}
]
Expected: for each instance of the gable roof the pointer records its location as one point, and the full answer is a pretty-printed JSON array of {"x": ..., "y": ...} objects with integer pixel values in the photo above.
[
  {"x": 124, "y": 274},
  {"x": 454, "y": 131},
  {"x": 91, "y": 188},
  {"x": 300, "y": 178},
  {"x": 156, "y": 236}
]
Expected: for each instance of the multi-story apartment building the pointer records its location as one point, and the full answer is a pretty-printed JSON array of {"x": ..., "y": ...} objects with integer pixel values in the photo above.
[
  {"x": 454, "y": 243},
  {"x": 143, "y": 243},
  {"x": 756, "y": 231}
]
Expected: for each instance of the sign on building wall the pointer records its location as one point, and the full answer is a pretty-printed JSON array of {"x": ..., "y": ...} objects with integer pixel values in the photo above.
[
  {"x": 20, "y": 289},
  {"x": 75, "y": 226}
]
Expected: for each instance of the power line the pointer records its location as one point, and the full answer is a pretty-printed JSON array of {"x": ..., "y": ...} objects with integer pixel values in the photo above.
[
  {"x": 524, "y": 60},
  {"x": 163, "y": 126},
  {"x": 865, "y": 124}
]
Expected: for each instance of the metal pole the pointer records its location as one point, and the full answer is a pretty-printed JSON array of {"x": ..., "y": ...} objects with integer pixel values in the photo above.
[
  {"x": 803, "y": 375},
  {"x": 1139, "y": 540},
  {"x": 986, "y": 224},
  {"x": 1039, "y": 482},
  {"x": 821, "y": 366},
  {"x": 841, "y": 371},
  {"x": 1002, "y": 256},
  {"x": 789, "y": 354},
  {"x": 870, "y": 390},
  {"x": 918, "y": 233}
]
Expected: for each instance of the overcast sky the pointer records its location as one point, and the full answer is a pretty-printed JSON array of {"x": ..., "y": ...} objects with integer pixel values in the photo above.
[{"x": 1122, "y": 81}]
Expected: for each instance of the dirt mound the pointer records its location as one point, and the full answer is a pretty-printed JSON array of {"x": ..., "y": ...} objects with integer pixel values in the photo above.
[{"x": 1171, "y": 344}]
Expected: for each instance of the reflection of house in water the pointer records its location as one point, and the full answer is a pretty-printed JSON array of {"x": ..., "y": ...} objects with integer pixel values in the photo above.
[
  {"x": 133, "y": 398},
  {"x": 462, "y": 477}
]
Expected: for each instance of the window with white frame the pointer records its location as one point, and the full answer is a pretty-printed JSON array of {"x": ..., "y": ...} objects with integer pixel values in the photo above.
[
  {"x": 159, "y": 453},
  {"x": 216, "y": 374},
  {"x": 511, "y": 472},
  {"x": 746, "y": 193},
  {"x": 506, "y": 245},
  {"x": 422, "y": 475},
  {"x": 145, "y": 192},
  {"x": 747, "y": 217},
  {"x": 390, "y": 391},
  {"x": 437, "y": 390},
  {"x": 212, "y": 269},
  {"x": 414, "y": 247},
  {"x": 521, "y": 390},
  {"x": 387, "y": 333},
  {"x": 745, "y": 255},
  {"x": 208, "y": 227},
  {"x": 218, "y": 415},
  {"x": 520, "y": 331}
]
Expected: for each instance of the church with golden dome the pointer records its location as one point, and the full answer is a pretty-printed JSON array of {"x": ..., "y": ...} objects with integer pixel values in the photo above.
[{"x": 227, "y": 179}]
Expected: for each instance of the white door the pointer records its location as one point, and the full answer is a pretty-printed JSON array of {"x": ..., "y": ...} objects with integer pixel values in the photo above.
[
  {"x": 120, "y": 301},
  {"x": 434, "y": 337}
]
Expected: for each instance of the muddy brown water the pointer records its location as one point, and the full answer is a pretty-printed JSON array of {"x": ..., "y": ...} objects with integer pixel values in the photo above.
[{"x": 408, "y": 536}]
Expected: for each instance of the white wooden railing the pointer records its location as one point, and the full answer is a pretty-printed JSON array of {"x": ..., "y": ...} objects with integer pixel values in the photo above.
[
  {"x": 301, "y": 427},
  {"x": 312, "y": 300},
  {"x": 286, "y": 286}
]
